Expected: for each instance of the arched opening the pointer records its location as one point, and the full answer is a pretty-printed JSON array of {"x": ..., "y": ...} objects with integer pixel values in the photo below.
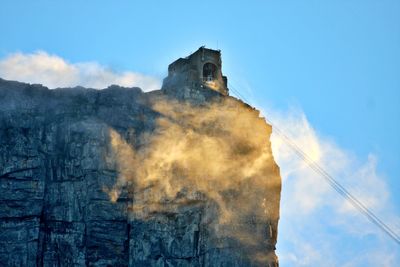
[{"x": 209, "y": 72}]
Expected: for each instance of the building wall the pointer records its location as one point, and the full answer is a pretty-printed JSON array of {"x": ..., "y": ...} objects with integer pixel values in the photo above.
[{"x": 185, "y": 75}]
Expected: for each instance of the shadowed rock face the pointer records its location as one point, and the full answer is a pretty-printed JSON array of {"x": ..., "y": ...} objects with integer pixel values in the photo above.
[{"x": 59, "y": 170}]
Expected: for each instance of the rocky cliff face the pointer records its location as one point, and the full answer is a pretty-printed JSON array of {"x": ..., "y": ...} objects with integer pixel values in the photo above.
[{"x": 118, "y": 177}]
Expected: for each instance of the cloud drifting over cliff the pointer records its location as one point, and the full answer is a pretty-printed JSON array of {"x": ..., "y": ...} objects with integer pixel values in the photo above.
[
  {"x": 218, "y": 152},
  {"x": 54, "y": 71},
  {"x": 318, "y": 227}
]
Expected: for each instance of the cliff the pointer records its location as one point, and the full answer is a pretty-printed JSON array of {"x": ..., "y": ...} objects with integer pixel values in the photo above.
[{"x": 118, "y": 177}]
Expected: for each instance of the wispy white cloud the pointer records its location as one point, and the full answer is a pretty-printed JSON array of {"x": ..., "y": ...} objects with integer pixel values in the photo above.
[
  {"x": 315, "y": 220},
  {"x": 54, "y": 71}
]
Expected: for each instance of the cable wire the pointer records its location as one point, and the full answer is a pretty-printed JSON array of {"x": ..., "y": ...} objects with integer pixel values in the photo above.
[{"x": 340, "y": 189}]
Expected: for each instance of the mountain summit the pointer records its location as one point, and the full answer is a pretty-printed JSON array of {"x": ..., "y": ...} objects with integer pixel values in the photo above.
[{"x": 182, "y": 176}]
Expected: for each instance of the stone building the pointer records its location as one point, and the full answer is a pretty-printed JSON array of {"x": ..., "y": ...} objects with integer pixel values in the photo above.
[{"x": 200, "y": 71}]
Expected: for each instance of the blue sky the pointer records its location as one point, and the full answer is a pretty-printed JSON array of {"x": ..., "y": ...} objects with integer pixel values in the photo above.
[{"x": 330, "y": 66}]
